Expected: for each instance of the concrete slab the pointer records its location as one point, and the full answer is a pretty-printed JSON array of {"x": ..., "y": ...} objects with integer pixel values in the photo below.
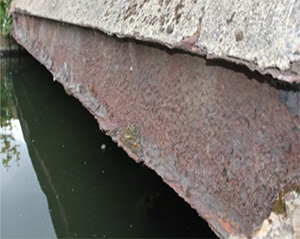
[{"x": 264, "y": 35}]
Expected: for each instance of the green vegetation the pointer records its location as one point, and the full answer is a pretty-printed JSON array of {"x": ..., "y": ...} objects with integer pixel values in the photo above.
[
  {"x": 5, "y": 17},
  {"x": 279, "y": 206}
]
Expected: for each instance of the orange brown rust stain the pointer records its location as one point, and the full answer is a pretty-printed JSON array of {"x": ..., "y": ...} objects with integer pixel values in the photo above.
[{"x": 226, "y": 225}]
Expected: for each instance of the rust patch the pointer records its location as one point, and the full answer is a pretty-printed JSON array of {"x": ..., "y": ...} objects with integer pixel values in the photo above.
[{"x": 226, "y": 226}]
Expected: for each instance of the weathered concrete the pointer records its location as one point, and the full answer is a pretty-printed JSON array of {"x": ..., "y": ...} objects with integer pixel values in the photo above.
[
  {"x": 264, "y": 35},
  {"x": 226, "y": 141}
]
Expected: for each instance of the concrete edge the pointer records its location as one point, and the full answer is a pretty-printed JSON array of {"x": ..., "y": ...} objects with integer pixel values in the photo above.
[{"x": 190, "y": 39}]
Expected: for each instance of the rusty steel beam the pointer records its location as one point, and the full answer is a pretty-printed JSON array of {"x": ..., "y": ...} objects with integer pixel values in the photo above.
[{"x": 224, "y": 138}]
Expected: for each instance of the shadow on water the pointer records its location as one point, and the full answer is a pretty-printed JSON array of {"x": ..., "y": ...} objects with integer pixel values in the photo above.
[{"x": 93, "y": 188}]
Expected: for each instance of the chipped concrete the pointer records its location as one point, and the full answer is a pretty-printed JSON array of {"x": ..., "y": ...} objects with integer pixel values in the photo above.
[
  {"x": 284, "y": 225},
  {"x": 263, "y": 35},
  {"x": 292, "y": 202},
  {"x": 266, "y": 34}
]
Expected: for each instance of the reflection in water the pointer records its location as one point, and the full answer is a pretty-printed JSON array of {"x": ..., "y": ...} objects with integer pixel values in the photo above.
[
  {"x": 93, "y": 189},
  {"x": 9, "y": 147},
  {"x": 24, "y": 211}
]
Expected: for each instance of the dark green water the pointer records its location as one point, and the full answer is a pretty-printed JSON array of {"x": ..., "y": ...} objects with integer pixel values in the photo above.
[{"x": 62, "y": 177}]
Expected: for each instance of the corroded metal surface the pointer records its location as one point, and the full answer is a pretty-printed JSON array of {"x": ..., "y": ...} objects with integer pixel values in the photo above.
[
  {"x": 264, "y": 35},
  {"x": 226, "y": 141}
]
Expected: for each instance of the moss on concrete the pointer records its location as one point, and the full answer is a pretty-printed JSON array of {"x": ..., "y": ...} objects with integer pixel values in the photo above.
[{"x": 280, "y": 206}]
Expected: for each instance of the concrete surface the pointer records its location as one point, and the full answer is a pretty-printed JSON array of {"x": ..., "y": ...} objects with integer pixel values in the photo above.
[
  {"x": 263, "y": 35},
  {"x": 225, "y": 139}
]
